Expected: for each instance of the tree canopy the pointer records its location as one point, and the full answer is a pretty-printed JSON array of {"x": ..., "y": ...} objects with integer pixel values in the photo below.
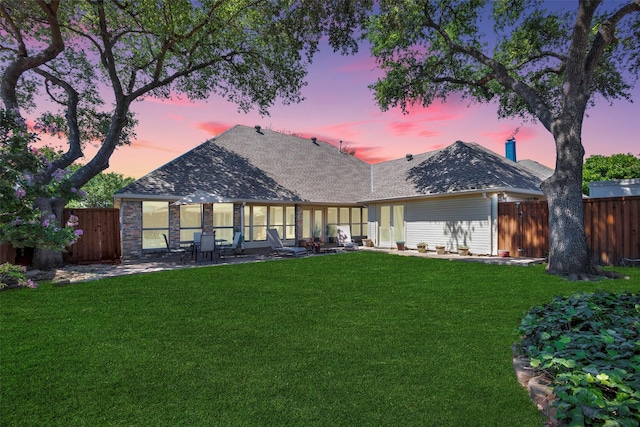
[
  {"x": 93, "y": 59},
  {"x": 546, "y": 61},
  {"x": 607, "y": 168}
]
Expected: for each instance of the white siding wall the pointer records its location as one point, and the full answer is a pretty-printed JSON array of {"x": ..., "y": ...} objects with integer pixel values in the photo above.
[{"x": 451, "y": 222}]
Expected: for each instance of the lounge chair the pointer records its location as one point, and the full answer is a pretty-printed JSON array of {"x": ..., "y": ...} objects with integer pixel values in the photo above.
[
  {"x": 344, "y": 238},
  {"x": 279, "y": 248},
  {"x": 170, "y": 250},
  {"x": 231, "y": 247}
]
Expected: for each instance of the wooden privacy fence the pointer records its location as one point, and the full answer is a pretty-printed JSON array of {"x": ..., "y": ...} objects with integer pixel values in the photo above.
[
  {"x": 100, "y": 241},
  {"x": 612, "y": 226}
]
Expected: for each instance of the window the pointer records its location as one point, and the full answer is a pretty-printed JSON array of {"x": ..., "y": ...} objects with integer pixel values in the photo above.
[
  {"x": 155, "y": 223},
  {"x": 223, "y": 221},
  {"x": 190, "y": 221},
  {"x": 306, "y": 224},
  {"x": 344, "y": 216},
  {"x": 332, "y": 223},
  {"x": 276, "y": 219},
  {"x": 317, "y": 223},
  {"x": 359, "y": 222},
  {"x": 290, "y": 222},
  {"x": 356, "y": 224},
  {"x": 258, "y": 223}
]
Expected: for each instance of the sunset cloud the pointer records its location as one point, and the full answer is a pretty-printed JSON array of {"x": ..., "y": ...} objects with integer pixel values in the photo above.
[
  {"x": 150, "y": 146},
  {"x": 213, "y": 128}
]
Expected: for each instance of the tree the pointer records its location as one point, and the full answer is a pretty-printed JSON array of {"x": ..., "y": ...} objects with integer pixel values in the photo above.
[
  {"x": 20, "y": 224},
  {"x": 250, "y": 52},
  {"x": 606, "y": 168},
  {"x": 99, "y": 191},
  {"x": 539, "y": 64}
]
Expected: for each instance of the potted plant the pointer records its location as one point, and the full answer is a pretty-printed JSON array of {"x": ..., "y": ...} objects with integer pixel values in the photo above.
[
  {"x": 400, "y": 245},
  {"x": 440, "y": 250},
  {"x": 463, "y": 250},
  {"x": 422, "y": 247}
]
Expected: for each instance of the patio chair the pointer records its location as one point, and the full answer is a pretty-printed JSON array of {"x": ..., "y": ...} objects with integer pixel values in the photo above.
[
  {"x": 279, "y": 248},
  {"x": 231, "y": 247},
  {"x": 181, "y": 251},
  {"x": 344, "y": 238},
  {"x": 208, "y": 246}
]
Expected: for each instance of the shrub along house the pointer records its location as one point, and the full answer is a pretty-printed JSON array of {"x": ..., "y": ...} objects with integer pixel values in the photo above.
[{"x": 304, "y": 188}]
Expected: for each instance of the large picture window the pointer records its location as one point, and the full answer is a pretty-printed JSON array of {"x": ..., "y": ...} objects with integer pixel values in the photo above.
[
  {"x": 155, "y": 223},
  {"x": 259, "y": 218}
]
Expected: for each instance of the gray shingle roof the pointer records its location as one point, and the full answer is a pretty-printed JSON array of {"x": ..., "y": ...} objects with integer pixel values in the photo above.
[
  {"x": 245, "y": 164},
  {"x": 458, "y": 167},
  {"x": 541, "y": 171}
]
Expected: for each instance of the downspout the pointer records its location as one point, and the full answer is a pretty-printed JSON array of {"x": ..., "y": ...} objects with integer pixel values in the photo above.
[{"x": 242, "y": 222}]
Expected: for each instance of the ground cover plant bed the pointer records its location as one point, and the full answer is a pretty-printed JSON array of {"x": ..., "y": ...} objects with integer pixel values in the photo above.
[
  {"x": 588, "y": 345},
  {"x": 359, "y": 338}
]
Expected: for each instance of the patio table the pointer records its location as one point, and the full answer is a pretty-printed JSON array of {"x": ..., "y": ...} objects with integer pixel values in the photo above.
[{"x": 194, "y": 247}]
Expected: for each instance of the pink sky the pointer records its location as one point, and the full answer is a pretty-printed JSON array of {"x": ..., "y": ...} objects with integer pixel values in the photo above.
[{"x": 339, "y": 106}]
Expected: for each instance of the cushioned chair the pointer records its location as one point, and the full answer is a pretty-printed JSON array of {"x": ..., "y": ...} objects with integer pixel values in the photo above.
[
  {"x": 279, "y": 248},
  {"x": 344, "y": 238}
]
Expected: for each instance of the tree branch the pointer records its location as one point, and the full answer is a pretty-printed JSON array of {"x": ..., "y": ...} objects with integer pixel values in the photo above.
[
  {"x": 23, "y": 62},
  {"x": 606, "y": 36},
  {"x": 500, "y": 72},
  {"x": 75, "y": 149}
]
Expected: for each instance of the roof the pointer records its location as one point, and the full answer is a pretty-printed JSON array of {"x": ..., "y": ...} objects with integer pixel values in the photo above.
[
  {"x": 541, "y": 171},
  {"x": 253, "y": 164},
  {"x": 460, "y": 167},
  {"x": 246, "y": 163}
]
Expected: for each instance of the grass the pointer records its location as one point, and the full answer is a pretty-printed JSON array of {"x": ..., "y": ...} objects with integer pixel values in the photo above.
[{"x": 355, "y": 339}]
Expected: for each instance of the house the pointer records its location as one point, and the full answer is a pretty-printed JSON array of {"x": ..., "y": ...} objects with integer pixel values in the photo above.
[
  {"x": 615, "y": 188},
  {"x": 304, "y": 187}
]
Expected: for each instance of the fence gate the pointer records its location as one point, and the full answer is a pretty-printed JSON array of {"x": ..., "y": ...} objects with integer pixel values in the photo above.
[
  {"x": 100, "y": 241},
  {"x": 612, "y": 226}
]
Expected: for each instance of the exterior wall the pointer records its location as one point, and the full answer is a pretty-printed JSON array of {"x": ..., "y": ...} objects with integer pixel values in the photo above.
[
  {"x": 615, "y": 188},
  {"x": 131, "y": 223},
  {"x": 452, "y": 222}
]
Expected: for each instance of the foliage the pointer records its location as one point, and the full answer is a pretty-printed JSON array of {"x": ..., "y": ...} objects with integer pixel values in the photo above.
[
  {"x": 548, "y": 64},
  {"x": 249, "y": 53},
  {"x": 21, "y": 224},
  {"x": 10, "y": 273},
  {"x": 590, "y": 344},
  {"x": 606, "y": 168},
  {"x": 99, "y": 191}
]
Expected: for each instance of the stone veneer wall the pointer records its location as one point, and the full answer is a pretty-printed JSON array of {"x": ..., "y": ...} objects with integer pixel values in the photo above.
[{"x": 298, "y": 215}]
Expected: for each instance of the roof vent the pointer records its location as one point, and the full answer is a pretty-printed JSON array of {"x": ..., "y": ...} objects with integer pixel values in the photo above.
[
  {"x": 340, "y": 146},
  {"x": 314, "y": 139},
  {"x": 258, "y": 128},
  {"x": 409, "y": 157}
]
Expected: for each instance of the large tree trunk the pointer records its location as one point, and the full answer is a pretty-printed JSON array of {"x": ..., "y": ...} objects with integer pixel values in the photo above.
[
  {"x": 568, "y": 252},
  {"x": 43, "y": 258}
]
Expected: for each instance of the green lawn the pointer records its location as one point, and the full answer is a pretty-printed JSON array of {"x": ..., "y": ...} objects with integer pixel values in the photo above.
[{"x": 356, "y": 339}]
